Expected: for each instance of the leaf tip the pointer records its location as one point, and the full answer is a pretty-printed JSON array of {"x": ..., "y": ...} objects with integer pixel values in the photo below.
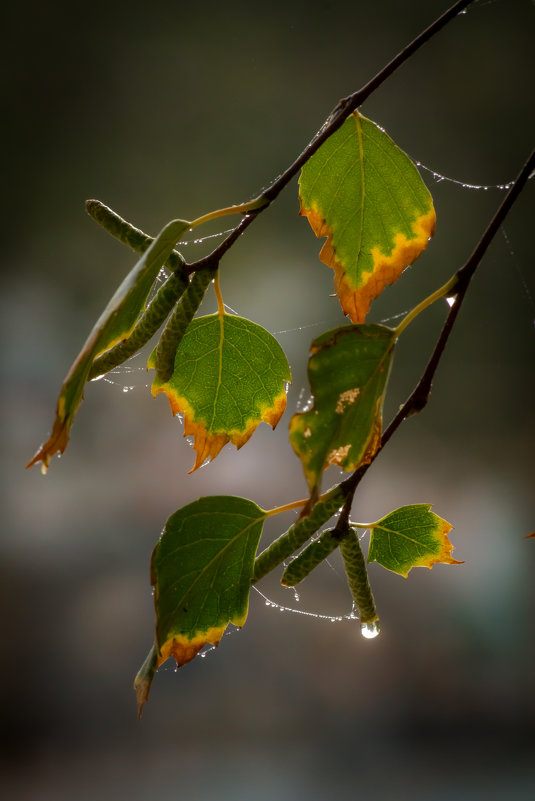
[
  {"x": 386, "y": 269},
  {"x": 56, "y": 443},
  {"x": 143, "y": 680},
  {"x": 272, "y": 414},
  {"x": 142, "y": 690},
  {"x": 206, "y": 446}
]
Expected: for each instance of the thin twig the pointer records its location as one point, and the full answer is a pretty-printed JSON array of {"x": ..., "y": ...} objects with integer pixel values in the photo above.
[{"x": 335, "y": 119}]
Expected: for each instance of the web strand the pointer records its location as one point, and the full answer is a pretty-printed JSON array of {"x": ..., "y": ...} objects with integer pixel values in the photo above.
[{"x": 439, "y": 178}]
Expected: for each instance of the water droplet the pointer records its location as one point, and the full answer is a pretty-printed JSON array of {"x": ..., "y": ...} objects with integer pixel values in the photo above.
[
  {"x": 268, "y": 603},
  {"x": 451, "y": 300},
  {"x": 370, "y": 630},
  {"x": 125, "y": 389}
]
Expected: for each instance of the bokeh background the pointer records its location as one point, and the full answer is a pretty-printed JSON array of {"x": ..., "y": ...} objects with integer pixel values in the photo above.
[{"x": 171, "y": 109}]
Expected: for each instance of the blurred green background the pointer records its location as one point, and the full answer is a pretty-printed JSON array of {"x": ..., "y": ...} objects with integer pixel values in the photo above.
[{"x": 169, "y": 110}]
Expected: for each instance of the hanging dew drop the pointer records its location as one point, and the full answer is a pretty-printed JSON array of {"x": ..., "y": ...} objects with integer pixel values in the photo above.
[
  {"x": 370, "y": 630},
  {"x": 451, "y": 300}
]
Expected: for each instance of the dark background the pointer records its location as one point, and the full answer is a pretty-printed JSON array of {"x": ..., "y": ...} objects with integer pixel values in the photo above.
[{"x": 166, "y": 110}]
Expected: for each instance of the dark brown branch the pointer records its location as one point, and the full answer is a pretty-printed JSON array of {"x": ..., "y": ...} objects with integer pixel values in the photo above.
[
  {"x": 420, "y": 396},
  {"x": 211, "y": 262},
  {"x": 349, "y": 104},
  {"x": 333, "y": 122}
]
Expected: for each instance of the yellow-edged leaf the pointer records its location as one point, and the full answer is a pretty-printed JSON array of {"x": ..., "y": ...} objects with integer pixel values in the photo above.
[
  {"x": 114, "y": 324},
  {"x": 366, "y": 196},
  {"x": 411, "y": 536},
  {"x": 229, "y": 375}
]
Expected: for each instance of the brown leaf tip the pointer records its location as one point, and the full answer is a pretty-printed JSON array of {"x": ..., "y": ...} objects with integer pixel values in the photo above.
[{"x": 56, "y": 443}]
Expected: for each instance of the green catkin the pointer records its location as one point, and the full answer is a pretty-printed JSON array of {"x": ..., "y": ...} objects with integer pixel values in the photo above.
[
  {"x": 309, "y": 558},
  {"x": 357, "y": 577},
  {"x": 178, "y": 323},
  {"x": 162, "y": 303},
  {"x": 127, "y": 233},
  {"x": 147, "y": 325},
  {"x": 298, "y": 533}
]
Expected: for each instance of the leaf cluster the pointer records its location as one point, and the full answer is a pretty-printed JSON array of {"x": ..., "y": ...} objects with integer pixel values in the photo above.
[{"x": 224, "y": 375}]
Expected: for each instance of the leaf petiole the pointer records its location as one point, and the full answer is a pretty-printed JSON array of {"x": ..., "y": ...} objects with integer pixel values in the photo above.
[
  {"x": 442, "y": 292},
  {"x": 286, "y": 507},
  {"x": 219, "y": 296},
  {"x": 256, "y": 204}
]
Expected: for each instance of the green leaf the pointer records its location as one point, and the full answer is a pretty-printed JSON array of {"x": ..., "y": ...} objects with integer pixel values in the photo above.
[
  {"x": 366, "y": 196},
  {"x": 201, "y": 572},
  {"x": 348, "y": 370},
  {"x": 411, "y": 536},
  {"x": 229, "y": 375},
  {"x": 114, "y": 324}
]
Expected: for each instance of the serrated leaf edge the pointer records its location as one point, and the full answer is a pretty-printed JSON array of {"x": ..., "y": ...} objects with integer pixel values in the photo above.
[
  {"x": 442, "y": 557},
  {"x": 208, "y": 444}
]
